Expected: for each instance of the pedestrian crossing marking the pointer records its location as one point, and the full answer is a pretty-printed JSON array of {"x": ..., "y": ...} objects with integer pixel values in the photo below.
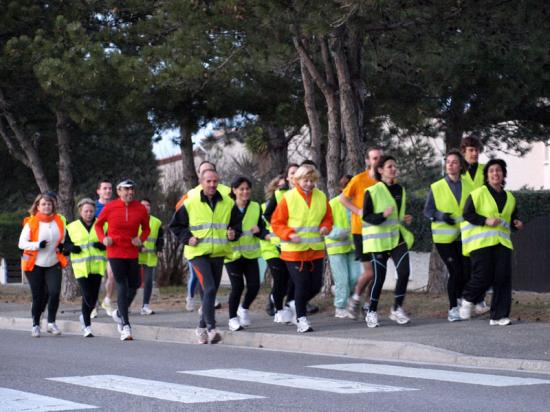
[
  {"x": 295, "y": 381},
  {"x": 433, "y": 374},
  {"x": 155, "y": 389},
  {"x": 12, "y": 400}
]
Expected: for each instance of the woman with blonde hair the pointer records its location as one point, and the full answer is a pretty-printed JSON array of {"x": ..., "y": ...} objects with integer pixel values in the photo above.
[
  {"x": 41, "y": 240},
  {"x": 301, "y": 220}
]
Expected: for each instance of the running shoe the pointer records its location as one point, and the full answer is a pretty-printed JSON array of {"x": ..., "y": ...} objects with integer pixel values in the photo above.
[
  {"x": 53, "y": 329},
  {"x": 454, "y": 315},
  {"x": 303, "y": 325},
  {"x": 35, "y": 332},
  {"x": 481, "y": 308},
  {"x": 146, "y": 310},
  {"x": 202, "y": 334},
  {"x": 126, "y": 333},
  {"x": 465, "y": 310},
  {"x": 118, "y": 320},
  {"x": 283, "y": 316},
  {"x": 81, "y": 320},
  {"x": 372, "y": 319},
  {"x": 93, "y": 315},
  {"x": 217, "y": 304},
  {"x": 190, "y": 304},
  {"x": 88, "y": 332},
  {"x": 341, "y": 313},
  {"x": 500, "y": 322},
  {"x": 398, "y": 315},
  {"x": 353, "y": 308},
  {"x": 244, "y": 317},
  {"x": 234, "y": 324},
  {"x": 106, "y": 305},
  {"x": 214, "y": 336},
  {"x": 292, "y": 307}
]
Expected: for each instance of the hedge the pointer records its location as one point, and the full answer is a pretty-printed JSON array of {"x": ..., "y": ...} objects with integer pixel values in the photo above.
[{"x": 10, "y": 229}]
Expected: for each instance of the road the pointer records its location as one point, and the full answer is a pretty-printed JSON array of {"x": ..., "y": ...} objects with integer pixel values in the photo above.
[{"x": 73, "y": 373}]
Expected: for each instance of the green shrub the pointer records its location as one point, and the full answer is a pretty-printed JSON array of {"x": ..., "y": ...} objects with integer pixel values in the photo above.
[{"x": 10, "y": 229}]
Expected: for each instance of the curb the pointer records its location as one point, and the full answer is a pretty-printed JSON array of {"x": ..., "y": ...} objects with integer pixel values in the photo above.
[{"x": 357, "y": 348}]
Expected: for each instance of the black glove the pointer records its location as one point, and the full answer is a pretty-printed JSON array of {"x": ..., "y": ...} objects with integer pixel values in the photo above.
[
  {"x": 99, "y": 245},
  {"x": 43, "y": 244},
  {"x": 76, "y": 249},
  {"x": 448, "y": 219}
]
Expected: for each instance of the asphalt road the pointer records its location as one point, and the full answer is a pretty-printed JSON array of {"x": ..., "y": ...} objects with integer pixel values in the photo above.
[{"x": 144, "y": 376}]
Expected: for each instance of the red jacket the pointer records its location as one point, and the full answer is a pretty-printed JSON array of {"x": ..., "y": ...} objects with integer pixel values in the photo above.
[{"x": 123, "y": 224}]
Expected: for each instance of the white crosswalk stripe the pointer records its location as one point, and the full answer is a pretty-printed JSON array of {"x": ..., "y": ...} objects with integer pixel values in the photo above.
[
  {"x": 12, "y": 400},
  {"x": 295, "y": 381},
  {"x": 154, "y": 389},
  {"x": 434, "y": 374}
]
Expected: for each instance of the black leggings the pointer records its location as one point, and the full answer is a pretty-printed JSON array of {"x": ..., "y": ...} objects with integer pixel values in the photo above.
[
  {"x": 45, "y": 286},
  {"x": 90, "y": 291},
  {"x": 209, "y": 271},
  {"x": 281, "y": 281},
  {"x": 458, "y": 266},
  {"x": 239, "y": 270},
  {"x": 126, "y": 273},
  {"x": 400, "y": 257},
  {"x": 308, "y": 279}
]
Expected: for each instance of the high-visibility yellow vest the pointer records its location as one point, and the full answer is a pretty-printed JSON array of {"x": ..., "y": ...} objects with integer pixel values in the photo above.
[
  {"x": 341, "y": 221},
  {"x": 477, "y": 181},
  {"x": 445, "y": 201},
  {"x": 476, "y": 237},
  {"x": 305, "y": 220},
  {"x": 148, "y": 254},
  {"x": 269, "y": 248},
  {"x": 248, "y": 245},
  {"x": 209, "y": 226},
  {"x": 279, "y": 193},
  {"x": 90, "y": 259},
  {"x": 383, "y": 237}
]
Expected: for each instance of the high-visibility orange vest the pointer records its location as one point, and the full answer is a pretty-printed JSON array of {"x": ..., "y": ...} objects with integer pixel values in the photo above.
[{"x": 29, "y": 256}]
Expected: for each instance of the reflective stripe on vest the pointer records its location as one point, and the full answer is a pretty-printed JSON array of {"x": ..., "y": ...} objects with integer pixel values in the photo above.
[
  {"x": 383, "y": 237},
  {"x": 148, "y": 254},
  {"x": 212, "y": 227},
  {"x": 248, "y": 245},
  {"x": 476, "y": 237},
  {"x": 90, "y": 259},
  {"x": 305, "y": 220},
  {"x": 445, "y": 202},
  {"x": 341, "y": 221}
]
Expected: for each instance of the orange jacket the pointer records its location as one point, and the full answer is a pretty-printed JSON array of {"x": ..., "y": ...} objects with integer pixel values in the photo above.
[
  {"x": 279, "y": 224},
  {"x": 29, "y": 256}
]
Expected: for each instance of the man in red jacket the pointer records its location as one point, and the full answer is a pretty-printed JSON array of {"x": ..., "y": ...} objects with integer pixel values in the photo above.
[{"x": 124, "y": 217}]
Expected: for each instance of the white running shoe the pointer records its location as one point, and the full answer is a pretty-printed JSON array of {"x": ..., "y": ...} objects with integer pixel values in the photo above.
[
  {"x": 93, "y": 315},
  {"x": 202, "y": 334},
  {"x": 398, "y": 315},
  {"x": 372, "y": 320},
  {"x": 481, "y": 308},
  {"x": 292, "y": 307},
  {"x": 118, "y": 320},
  {"x": 88, "y": 332},
  {"x": 244, "y": 317},
  {"x": 214, "y": 336},
  {"x": 35, "y": 331},
  {"x": 234, "y": 324},
  {"x": 454, "y": 315},
  {"x": 341, "y": 313},
  {"x": 53, "y": 329},
  {"x": 190, "y": 304},
  {"x": 146, "y": 310},
  {"x": 283, "y": 316},
  {"x": 126, "y": 333},
  {"x": 465, "y": 310},
  {"x": 217, "y": 304},
  {"x": 353, "y": 308},
  {"x": 500, "y": 322},
  {"x": 106, "y": 305},
  {"x": 303, "y": 325},
  {"x": 81, "y": 320}
]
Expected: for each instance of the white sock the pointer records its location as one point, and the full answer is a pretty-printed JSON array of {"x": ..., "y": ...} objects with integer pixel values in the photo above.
[{"x": 356, "y": 297}]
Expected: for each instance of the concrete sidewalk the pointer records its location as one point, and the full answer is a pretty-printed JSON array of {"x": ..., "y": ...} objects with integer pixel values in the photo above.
[{"x": 521, "y": 346}]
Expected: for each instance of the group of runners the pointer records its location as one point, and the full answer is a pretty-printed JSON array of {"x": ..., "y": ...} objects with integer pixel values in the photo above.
[{"x": 360, "y": 229}]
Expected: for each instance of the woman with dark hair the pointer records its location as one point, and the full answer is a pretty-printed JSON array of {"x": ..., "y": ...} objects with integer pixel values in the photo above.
[
  {"x": 490, "y": 215},
  {"x": 444, "y": 205},
  {"x": 41, "y": 241},
  {"x": 242, "y": 263},
  {"x": 385, "y": 237}
]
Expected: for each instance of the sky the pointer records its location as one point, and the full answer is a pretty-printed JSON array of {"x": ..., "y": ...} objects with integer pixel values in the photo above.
[{"x": 165, "y": 147}]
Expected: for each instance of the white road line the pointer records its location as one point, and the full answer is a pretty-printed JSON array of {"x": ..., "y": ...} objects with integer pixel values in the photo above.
[
  {"x": 154, "y": 389},
  {"x": 433, "y": 374},
  {"x": 17, "y": 401},
  {"x": 295, "y": 381}
]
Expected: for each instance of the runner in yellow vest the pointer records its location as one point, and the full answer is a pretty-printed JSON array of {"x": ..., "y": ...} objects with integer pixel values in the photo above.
[
  {"x": 242, "y": 263},
  {"x": 148, "y": 256},
  {"x": 205, "y": 225},
  {"x": 443, "y": 207},
  {"x": 302, "y": 218},
  {"x": 344, "y": 267},
  {"x": 489, "y": 216},
  {"x": 385, "y": 237},
  {"x": 88, "y": 258}
]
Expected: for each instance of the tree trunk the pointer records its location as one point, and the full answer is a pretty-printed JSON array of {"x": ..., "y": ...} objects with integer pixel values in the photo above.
[
  {"x": 189, "y": 179},
  {"x": 438, "y": 274},
  {"x": 455, "y": 124},
  {"x": 276, "y": 147},
  {"x": 333, "y": 145}
]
